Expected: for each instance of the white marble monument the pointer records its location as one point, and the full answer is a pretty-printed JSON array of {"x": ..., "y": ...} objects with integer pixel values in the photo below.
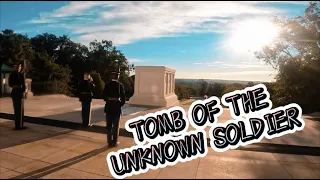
[{"x": 154, "y": 86}]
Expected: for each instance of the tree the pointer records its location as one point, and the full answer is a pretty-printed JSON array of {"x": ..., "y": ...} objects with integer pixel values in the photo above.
[
  {"x": 46, "y": 43},
  {"x": 216, "y": 89},
  {"x": 97, "y": 93},
  {"x": 295, "y": 54},
  {"x": 15, "y": 48},
  {"x": 128, "y": 83},
  {"x": 52, "y": 59},
  {"x": 250, "y": 84},
  {"x": 47, "y": 73},
  {"x": 104, "y": 57},
  {"x": 233, "y": 87},
  {"x": 64, "y": 52},
  {"x": 182, "y": 92},
  {"x": 202, "y": 87}
]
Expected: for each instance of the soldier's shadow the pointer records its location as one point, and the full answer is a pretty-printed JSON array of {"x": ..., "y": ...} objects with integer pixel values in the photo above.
[{"x": 54, "y": 125}]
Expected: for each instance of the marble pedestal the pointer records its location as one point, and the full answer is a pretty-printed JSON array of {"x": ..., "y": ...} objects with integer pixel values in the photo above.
[
  {"x": 154, "y": 86},
  {"x": 29, "y": 93}
]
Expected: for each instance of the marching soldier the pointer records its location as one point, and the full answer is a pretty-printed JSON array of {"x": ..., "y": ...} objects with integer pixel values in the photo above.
[
  {"x": 85, "y": 95},
  {"x": 114, "y": 96},
  {"x": 18, "y": 85}
]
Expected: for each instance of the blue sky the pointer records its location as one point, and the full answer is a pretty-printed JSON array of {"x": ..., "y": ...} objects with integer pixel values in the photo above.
[{"x": 209, "y": 40}]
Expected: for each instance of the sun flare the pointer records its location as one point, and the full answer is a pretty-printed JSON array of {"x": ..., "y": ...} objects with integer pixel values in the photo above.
[{"x": 252, "y": 35}]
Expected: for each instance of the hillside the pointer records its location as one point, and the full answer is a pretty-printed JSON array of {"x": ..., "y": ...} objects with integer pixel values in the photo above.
[{"x": 216, "y": 81}]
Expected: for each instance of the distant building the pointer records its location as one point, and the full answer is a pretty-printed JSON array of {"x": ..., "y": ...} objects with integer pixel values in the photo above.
[{"x": 5, "y": 72}]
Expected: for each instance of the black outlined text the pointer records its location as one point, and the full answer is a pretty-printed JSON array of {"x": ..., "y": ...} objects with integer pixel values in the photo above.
[
  {"x": 158, "y": 125},
  {"x": 234, "y": 133},
  {"x": 251, "y": 100},
  {"x": 210, "y": 109},
  {"x": 138, "y": 159}
]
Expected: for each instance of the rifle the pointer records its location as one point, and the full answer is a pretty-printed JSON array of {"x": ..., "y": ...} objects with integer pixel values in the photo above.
[
  {"x": 121, "y": 106},
  {"x": 24, "y": 79},
  {"x": 120, "y": 94}
]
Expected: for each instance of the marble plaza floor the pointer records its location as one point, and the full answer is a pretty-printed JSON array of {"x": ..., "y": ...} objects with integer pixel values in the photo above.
[{"x": 43, "y": 151}]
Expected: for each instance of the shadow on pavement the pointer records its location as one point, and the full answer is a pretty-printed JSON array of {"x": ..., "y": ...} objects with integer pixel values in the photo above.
[
  {"x": 64, "y": 164},
  {"x": 7, "y": 130},
  {"x": 35, "y": 135},
  {"x": 10, "y": 137},
  {"x": 261, "y": 147}
]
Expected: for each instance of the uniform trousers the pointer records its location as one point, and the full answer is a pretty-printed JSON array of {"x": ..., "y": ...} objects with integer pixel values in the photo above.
[
  {"x": 86, "y": 113},
  {"x": 112, "y": 119},
  {"x": 18, "y": 106}
]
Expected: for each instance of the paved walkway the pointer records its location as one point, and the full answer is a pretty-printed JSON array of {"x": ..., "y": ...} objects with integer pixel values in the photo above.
[{"x": 51, "y": 152}]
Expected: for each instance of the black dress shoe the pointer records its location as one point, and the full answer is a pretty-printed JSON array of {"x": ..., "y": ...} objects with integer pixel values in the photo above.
[
  {"x": 21, "y": 128},
  {"x": 110, "y": 145},
  {"x": 116, "y": 144}
]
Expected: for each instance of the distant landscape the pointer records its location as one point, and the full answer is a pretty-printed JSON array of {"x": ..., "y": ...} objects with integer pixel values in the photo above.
[{"x": 211, "y": 81}]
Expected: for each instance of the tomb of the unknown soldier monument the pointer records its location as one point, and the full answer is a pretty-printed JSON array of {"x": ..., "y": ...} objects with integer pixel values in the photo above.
[{"x": 154, "y": 86}]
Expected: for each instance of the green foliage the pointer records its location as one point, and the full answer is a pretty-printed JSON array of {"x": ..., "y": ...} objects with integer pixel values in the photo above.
[
  {"x": 216, "y": 89},
  {"x": 46, "y": 72},
  {"x": 233, "y": 87},
  {"x": 103, "y": 57},
  {"x": 50, "y": 87},
  {"x": 97, "y": 93},
  {"x": 59, "y": 63},
  {"x": 128, "y": 83},
  {"x": 15, "y": 48},
  {"x": 202, "y": 87},
  {"x": 296, "y": 56},
  {"x": 182, "y": 92}
]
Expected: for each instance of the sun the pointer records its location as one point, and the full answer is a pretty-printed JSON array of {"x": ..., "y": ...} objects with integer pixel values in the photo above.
[{"x": 252, "y": 35}]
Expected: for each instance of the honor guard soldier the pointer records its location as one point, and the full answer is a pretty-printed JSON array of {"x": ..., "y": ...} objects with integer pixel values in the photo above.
[
  {"x": 114, "y": 96},
  {"x": 85, "y": 95},
  {"x": 17, "y": 83}
]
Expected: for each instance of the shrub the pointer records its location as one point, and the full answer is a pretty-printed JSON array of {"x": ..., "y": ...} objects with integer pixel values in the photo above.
[{"x": 97, "y": 92}]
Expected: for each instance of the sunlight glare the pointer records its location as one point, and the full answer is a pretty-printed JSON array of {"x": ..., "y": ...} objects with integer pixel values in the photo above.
[{"x": 252, "y": 35}]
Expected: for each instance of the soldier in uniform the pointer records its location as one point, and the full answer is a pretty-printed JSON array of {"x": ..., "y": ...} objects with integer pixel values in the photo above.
[
  {"x": 85, "y": 95},
  {"x": 18, "y": 85},
  {"x": 114, "y": 96}
]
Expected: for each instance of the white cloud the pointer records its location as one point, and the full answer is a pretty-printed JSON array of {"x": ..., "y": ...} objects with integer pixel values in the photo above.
[
  {"x": 130, "y": 21},
  {"x": 245, "y": 65},
  {"x": 78, "y": 8},
  {"x": 182, "y": 51},
  {"x": 132, "y": 60},
  {"x": 197, "y": 63},
  {"x": 217, "y": 62}
]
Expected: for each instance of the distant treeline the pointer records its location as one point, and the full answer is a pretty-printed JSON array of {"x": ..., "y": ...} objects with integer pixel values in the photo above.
[
  {"x": 200, "y": 88},
  {"x": 56, "y": 64}
]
